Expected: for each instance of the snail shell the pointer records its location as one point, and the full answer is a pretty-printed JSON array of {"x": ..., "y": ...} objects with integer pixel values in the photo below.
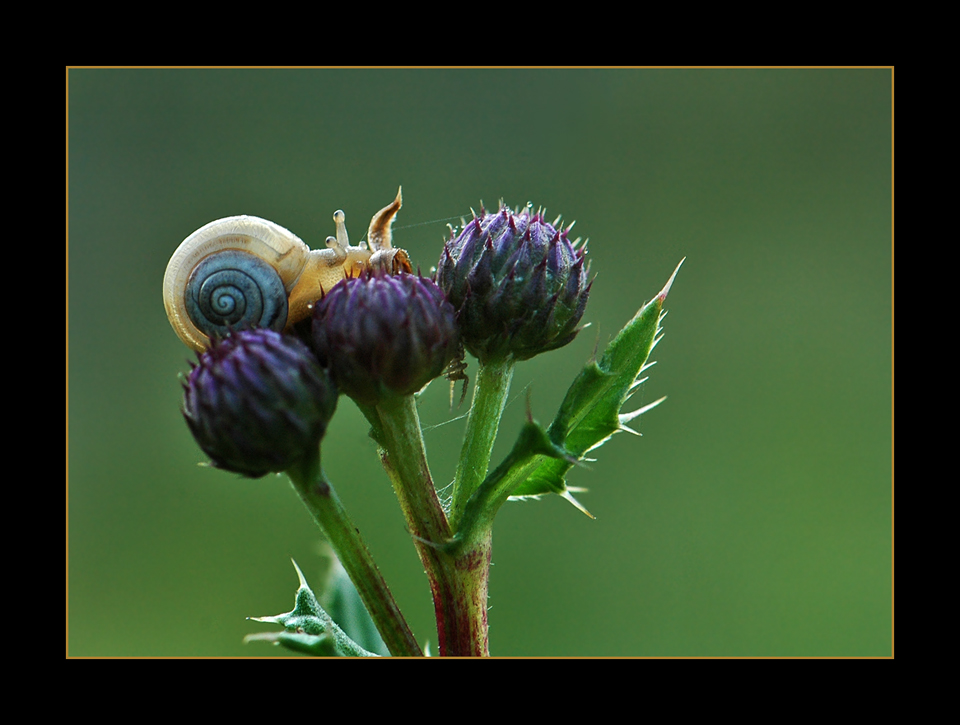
[{"x": 244, "y": 271}]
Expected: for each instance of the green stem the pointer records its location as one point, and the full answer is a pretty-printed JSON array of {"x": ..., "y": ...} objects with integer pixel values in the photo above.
[
  {"x": 476, "y": 524},
  {"x": 418, "y": 497},
  {"x": 489, "y": 399},
  {"x": 458, "y": 582},
  {"x": 322, "y": 501}
]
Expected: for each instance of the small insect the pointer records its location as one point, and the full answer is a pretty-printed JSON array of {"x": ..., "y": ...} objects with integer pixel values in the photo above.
[
  {"x": 456, "y": 371},
  {"x": 246, "y": 271}
]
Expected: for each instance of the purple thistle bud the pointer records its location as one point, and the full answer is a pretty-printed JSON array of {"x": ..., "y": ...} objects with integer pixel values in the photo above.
[
  {"x": 257, "y": 402},
  {"x": 518, "y": 284},
  {"x": 384, "y": 335}
]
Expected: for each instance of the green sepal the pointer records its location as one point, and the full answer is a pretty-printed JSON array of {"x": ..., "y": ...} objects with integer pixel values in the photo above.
[
  {"x": 590, "y": 413},
  {"x": 308, "y": 628}
]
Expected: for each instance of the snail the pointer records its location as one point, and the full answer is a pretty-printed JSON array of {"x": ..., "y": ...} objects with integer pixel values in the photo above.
[{"x": 244, "y": 271}]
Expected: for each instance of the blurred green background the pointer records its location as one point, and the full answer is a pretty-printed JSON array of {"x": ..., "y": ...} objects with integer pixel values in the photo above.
[{"x": 752, "y": 518}]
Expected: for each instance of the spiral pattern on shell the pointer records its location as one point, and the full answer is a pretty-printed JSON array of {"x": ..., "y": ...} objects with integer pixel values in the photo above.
[
  {"x": 232, "y": 273},
  {"x": 235, "y": 290}
]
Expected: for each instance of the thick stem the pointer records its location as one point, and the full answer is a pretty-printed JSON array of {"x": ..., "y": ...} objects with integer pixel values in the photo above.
[
  {"x": 323, "y": 503},
  {"x": 458, "y": 582},
  {"x": 489, "y": 398}
]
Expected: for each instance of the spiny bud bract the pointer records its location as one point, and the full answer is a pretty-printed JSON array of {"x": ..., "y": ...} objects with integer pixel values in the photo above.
[
  {"x": 384, "y": 334},
  {"x": 519, "y": 285},
  {"x": 258, "y": 401}
]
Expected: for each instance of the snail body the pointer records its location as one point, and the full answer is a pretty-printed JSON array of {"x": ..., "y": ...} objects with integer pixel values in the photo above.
[{"x": 244, "y": 271}]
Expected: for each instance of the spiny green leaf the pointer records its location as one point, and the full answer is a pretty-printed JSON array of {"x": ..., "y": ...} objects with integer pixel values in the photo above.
[
  {"x": 316, "y": 645},
  {"x": 590, "y": 412},
  {"x": 308, "y": 628}
]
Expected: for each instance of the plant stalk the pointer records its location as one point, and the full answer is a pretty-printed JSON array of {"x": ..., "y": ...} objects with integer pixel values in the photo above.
[
  {"x": 458, "y": 582},
  {"x": 322, "y": 501},
  {"x": 489, "y": 399}
]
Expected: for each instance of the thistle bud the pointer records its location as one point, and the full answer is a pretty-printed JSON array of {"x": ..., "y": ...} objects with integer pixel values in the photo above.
[
  {"x": 519, "y": 285},
  {"x": 258, "y": 401},
  {"x": 384, "y": 335}
]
